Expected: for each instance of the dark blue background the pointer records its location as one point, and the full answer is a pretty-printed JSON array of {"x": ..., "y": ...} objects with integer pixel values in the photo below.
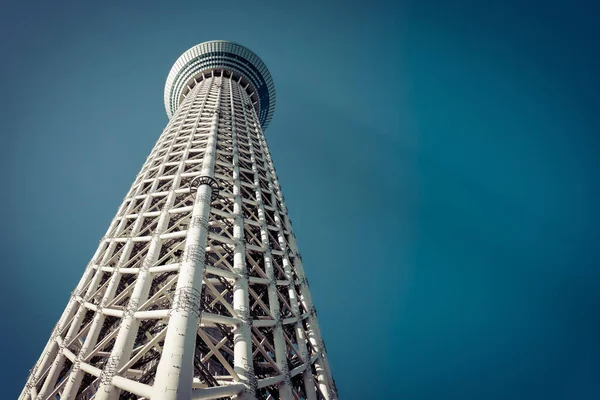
[{"x": 440, "y": 162}]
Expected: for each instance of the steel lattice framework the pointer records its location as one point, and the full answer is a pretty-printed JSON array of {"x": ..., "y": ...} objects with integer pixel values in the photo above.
[{"x": 197, "y": 290}]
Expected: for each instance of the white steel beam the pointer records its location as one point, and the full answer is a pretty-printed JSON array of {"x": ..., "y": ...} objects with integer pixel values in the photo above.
[
  {"x": 174, "y": 375},
  {"x": 242, "y": 335}
]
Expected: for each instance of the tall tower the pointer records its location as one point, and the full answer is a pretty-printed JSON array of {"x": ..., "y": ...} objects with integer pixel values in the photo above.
[{"x": 197, "y": 290}]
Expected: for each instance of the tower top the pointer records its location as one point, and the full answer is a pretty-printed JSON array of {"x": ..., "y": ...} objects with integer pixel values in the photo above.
[{"x": 234, "y": 58}]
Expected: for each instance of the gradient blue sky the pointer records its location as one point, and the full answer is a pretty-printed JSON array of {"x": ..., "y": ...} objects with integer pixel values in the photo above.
[{"x": 440, "y": 162}]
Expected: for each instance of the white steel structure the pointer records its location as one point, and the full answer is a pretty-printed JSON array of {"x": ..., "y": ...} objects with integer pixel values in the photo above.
[{"x": 197, "y": 290}]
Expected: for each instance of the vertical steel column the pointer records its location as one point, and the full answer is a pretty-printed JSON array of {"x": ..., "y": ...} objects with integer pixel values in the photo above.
[
  {"x": 243, "y": 363},
  {"x": 285, "y": 389},
  {"x": 309, "y": 384},
  {"x": 75, "y": 324},
  {"x": 314, "y": 335},
  {"x": 50, "y": 350},
  {"x": 75, "y": 376},
  {"x": 129, "y": 324},
  {"x": 175, "y": 374}
]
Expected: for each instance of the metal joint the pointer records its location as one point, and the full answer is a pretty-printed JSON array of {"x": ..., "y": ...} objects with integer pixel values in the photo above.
[
  {"x": 100, "y": 306},
  {"x": 31, "y": 380},
  {"x": 322, "y": 346},
  {"x": 206, "y": 180},
  {"x": 131, "y": 309},
  {"x": 146, "y": 264},
  {"x": 108, "y": 372},
  {"x": 187, "y": 299},
  {"x": 243, "y": 314},
  {"x": 199, "y": 221},
  {"x": 76, "y": 365},
  {"x": 252, "y": 380},
  {"x": 194, "y": 254},
  {"x": 244, "y": 274},
  {"x": 285, "y": 371},
  {"x": 158, "y": 231},
  {"x": 304, "y": 355}
]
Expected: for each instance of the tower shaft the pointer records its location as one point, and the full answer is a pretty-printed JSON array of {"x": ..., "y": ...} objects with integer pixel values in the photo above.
[{"x": 197, "y": 290}]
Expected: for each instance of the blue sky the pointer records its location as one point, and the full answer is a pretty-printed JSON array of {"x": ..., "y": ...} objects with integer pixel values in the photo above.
[{"x": 440, "y": 163}]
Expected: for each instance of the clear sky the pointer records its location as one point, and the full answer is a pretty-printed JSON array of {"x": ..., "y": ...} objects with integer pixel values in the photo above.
[{"x": 439, "y": 160}]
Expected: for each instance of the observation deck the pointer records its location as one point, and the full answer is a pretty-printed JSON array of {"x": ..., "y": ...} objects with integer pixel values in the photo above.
[{"x": 237, "y": 60}]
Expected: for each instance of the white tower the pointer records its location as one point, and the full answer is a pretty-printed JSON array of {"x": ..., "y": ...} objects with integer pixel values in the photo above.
[{"x": 197, "y": 290}]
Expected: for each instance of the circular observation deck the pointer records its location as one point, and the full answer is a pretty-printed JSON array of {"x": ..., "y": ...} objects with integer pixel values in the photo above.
[{"x": 235, "y": 59}]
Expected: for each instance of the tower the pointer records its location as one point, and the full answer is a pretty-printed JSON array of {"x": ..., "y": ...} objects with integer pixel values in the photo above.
[{"x": 197, "y": 290}]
